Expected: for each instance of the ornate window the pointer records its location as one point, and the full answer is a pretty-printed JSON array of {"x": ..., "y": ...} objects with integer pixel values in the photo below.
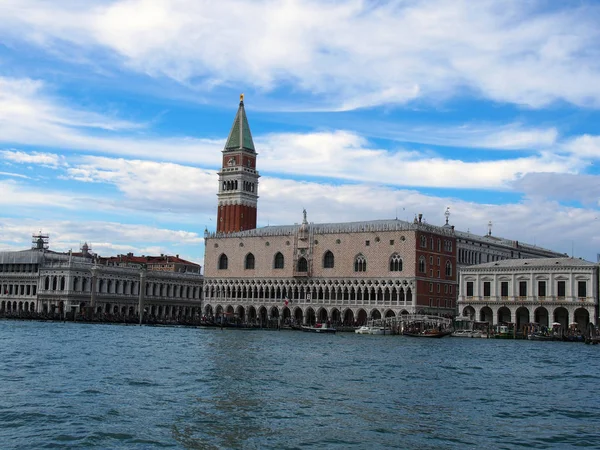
[
  {"x": 278, "y": 262},
  {"x": 423, "y": 242},
  {"x": 360, "y": 264},
  {"x": 302, "y": 265},
  {"x": 223, "y": 262},
  {"x": 395, "y": 263},
  {"x": 422, "y": 265},
  {"x": 328, "y": 260},
  {"x": 448, "y": 269},
  {"x": 249, "y": 263}
]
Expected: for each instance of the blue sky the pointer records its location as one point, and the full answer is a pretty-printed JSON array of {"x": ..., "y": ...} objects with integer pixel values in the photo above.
[{"x": 113, "y": 115}]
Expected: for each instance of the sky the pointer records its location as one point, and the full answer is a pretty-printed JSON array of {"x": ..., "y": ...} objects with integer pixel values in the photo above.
[{"x": 114, "y": 113}]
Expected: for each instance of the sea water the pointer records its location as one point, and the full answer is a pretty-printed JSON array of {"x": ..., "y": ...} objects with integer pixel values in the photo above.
[{"x": 69, "y": 385}]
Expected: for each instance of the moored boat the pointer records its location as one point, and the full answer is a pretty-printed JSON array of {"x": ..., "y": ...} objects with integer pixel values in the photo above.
[
  {"x": 428, "y": 333},
  {"x": 319, "y": 328}
]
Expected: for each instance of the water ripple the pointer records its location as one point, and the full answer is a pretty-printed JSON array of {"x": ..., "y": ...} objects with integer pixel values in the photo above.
[{"x": 78, "y": 385}]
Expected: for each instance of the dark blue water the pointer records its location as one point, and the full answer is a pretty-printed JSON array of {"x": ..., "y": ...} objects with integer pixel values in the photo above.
[{"x": 65, "y": 385}]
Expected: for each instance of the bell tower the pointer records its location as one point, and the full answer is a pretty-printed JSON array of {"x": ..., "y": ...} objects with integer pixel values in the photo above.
[{"x": 238, "y": 178}]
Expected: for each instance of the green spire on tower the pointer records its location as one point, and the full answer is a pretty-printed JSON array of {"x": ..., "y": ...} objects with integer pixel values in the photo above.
[{"x": 240, "y": 136}]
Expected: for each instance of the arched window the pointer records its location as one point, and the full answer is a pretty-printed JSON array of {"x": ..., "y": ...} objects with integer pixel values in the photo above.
[
  {"x": 328, "y": 260},
  {"x": 448, "y": 269},
  {"x": 422, "y": 267},
  {"x": 223, "y": 262},
  {"x": 278, "y": 263},
  {"x": 360, "y": 264},
  {"x": 423, "y": 242},
  {"x": 302, "y": 265},
  {"x": 249, "y": 263},
  {"x": 395, "y": 263}
]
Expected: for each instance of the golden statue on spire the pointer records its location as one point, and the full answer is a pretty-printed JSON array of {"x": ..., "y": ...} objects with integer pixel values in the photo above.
[{"x": 241, "y": 97}]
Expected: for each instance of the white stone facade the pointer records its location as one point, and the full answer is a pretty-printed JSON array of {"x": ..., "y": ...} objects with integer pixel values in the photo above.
[
  {"x": 545, "y": 291},
  {"x": 46, "y": 282}
]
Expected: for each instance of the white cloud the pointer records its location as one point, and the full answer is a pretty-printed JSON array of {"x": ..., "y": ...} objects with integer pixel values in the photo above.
[
  {"x": 347, "y": 54},
  {"x": 151, "y": 186},
  {"x": 561, "y": 187},
  {"x": 586, "y": 146},
  {"x": 47, "y": 159},
  {"x": 345, "y": 155},
  {"x": 20, "y": 195}
]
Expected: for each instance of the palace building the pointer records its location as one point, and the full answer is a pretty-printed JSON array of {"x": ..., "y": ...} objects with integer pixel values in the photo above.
[
  {"x": 43, "y": 281},
  {"x": 339, "y": 272}
]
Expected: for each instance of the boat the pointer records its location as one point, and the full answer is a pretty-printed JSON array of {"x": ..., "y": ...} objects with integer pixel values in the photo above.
[
  {"x": 539, "y": 336},
  {"x": 469, "y": 328},
  {"x": 504, "y": 331},
  {"x": 467, "y": 333},
  {"x": 319, "y": 328},
  {"x": 373, "y": 330},
  {"x": 536, "y": 332},
  {"x": 428, "y": 333},
  {"x": 363, "y": 330},
  {"x": 379, "y": 330}
]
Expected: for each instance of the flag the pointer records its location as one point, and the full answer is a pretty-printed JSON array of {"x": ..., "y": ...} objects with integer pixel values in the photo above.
[{"x": 286, "y": 302}]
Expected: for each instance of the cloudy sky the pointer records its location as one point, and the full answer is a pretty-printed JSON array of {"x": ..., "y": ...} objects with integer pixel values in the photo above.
[{"x": 113, "y": 115}]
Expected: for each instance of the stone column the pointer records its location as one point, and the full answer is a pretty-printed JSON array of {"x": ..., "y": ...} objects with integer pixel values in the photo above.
[
  {"x": 142, "y": 291},
  {"x": 91, "y": 310}
]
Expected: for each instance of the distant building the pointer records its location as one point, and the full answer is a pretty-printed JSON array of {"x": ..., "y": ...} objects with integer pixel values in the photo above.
[
  {"x": 545, "y": 291},
  {"x": 162, "y": 263},
  {"x": 41, "y": 280},
  {"x": 341, "y": 272}
]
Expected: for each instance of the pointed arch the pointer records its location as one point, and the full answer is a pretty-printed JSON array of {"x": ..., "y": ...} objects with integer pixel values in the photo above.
[
  {"x": 223, "y": 262},
  {"x": 249, "y": 262},
  {"x": 278, "y": 261},
  {"x": 422, "y": 265},
  {"x": 328, "y": 260},
  {"x": 302, "y": 265},
  {"x": 360, "y": 263},
  {"x": 395, "y": 263}
]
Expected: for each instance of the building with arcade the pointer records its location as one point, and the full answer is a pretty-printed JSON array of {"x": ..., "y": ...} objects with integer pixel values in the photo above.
[
  {"x": 545, "y": 291},
  {"x": 39, "y": 281}
]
